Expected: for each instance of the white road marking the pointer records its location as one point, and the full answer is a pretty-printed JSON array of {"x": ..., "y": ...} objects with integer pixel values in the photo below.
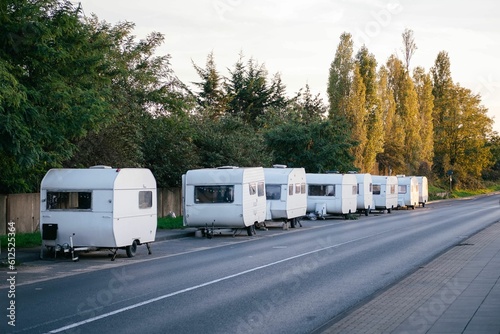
[{"x": 152, "y": 300}]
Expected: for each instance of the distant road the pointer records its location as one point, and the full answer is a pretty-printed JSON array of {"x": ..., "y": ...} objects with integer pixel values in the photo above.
[{"x": 276, "y": 282}]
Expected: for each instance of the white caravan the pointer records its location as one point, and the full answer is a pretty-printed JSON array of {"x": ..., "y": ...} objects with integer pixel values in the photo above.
[
  {"x": 365, "y": 193},
  {"x": 423, "y": 190},
  {"x": 98, "y": 207},
  {"x": 408, "y": 192},
  {"x": 285, "y": 194},
  {"x": 331, "y": 194},
  {"x": 385, "y": 194},
  {"x": 224, "y": 198}
]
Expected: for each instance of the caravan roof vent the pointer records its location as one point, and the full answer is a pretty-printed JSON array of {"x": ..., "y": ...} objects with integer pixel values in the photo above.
[
  {"x": 227, "y": 167},
  {"x": 279, "y": 166},
  {"x": 100, "y": 167}
]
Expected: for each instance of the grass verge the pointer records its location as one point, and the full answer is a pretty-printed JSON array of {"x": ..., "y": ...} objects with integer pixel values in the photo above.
[
  {"x": 22, "y": 240},
  {"x": 166, "y": 223},
  {"x": 28, "y": 240}
]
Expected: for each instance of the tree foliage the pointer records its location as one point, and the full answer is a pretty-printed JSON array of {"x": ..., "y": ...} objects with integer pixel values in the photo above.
[
  {"x": 317, "y": 146},
  {"x": 374, "y": 119},
  {"x": 57, "y": 87},
  {"x": 76, "y": 91},
  {"x": 461, "y": 128}
]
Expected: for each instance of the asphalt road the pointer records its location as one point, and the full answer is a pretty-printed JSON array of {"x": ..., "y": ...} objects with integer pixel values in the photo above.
[{"x": 276, "y": 282}]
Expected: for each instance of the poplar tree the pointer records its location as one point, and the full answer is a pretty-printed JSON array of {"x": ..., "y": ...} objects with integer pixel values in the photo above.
[
  {"x": 391, "y": 158},
  {"x": 356, "y": 116},
  {"x": 443, "y": 112},
  {"x": 405, "y": 97},
  {"x": 340, "y": 77},
  {"x": 346, "y": 94},
  {"x": 409, "y": 47},
  {"x": 374, "y": 114},
  {"x": 423, "y": 86}
]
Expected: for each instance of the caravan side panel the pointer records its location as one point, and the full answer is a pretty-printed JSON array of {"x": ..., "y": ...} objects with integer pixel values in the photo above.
[
  {"x": 224, "y": 198},
  {"x": 423, "y": 189},
  {"x": 324, "y": 191},
  {"x": 408, "y": 191},
  {"x": 349, "y": 193},
  {"x": 365, "y": 193},
  {"x": 385, "y": 194},
  {"x": 292, "y": 199},
  {"x": 135, "y": 216}
]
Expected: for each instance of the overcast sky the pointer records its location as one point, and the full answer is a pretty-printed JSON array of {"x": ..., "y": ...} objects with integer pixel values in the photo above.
[{"x": 298, "y": 38}]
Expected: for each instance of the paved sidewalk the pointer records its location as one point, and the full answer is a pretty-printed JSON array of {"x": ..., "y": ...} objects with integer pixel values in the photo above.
[{"x": 458, "y": 292}]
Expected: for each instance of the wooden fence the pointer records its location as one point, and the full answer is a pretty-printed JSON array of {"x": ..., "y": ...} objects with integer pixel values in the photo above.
[{"x": 24, "y": 209}]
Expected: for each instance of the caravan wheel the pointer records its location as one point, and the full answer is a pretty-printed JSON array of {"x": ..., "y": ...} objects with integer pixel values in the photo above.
[
  {"x": 132, "y": 249},
  {"x": 251, "y": 230}
]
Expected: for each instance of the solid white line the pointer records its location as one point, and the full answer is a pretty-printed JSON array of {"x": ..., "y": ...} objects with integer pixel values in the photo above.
[{"x": 149, "y": 301}]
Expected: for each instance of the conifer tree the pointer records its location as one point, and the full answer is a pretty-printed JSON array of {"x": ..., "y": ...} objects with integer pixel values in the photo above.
[{"x": 211, "y": 98}]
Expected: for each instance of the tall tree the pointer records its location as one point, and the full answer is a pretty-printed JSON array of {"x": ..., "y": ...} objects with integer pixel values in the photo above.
[
  {"x": 248, "y": 90},
  {"x": 443, "y": 88},
  {"x": 374, "y": 114},
  {"x": 311, "y": 108},
  {"x": 211, "y": 98},
  {"x": 390, "y": 159},
  {"x": 423, "y": 86},
  {"x": 340, "y": 76},
  {"x": 405, "y": 97},
  {"x": 409, "y": 47},
  {"x": 462, "y": 128},
  {"x": 356, "y": 116}
]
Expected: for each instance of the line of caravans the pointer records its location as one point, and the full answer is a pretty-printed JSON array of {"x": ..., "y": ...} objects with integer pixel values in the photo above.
[
  {"x": 218, "y": 200},
  {"x": 112, "y": 208}
]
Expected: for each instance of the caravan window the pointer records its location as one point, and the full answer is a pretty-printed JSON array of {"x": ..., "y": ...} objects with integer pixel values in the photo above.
[
  {"x": 290, "y": 189},
  {"x": 393, "y": 189},
  {"x": 302, "y": 188},
  {"x": 355, "y": 189},
  {"x": 376, "y": 189},
  {"x": 260, "y": 189},
  {"x": 297, "y": 188},
  {"x": 402, "y": 189},
  {"x": 69, "y": 200},
  {"x": 145, "y": 199},
  {"x": 321, "y": 190},
  {"x": 273, "y": 191},
  {"x": 214, "y": 194},
  {"x": 252, "y": 188}
]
